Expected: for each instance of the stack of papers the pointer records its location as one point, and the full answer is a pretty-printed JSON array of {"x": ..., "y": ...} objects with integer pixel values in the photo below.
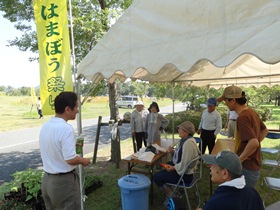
[{"x": 146, "y": 156}]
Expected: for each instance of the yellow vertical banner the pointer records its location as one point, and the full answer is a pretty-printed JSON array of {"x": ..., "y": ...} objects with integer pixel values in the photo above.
[
  {"x": 54, "y": 50},
  {"x": 33, "y": 95}
]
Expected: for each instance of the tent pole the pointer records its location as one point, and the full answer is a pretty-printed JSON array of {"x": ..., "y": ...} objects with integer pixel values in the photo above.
[
  {"x": 79, "y": 116},
  {"x": 173, "y": 110}
]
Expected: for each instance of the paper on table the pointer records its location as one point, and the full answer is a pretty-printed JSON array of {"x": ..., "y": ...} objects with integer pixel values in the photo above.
[
  {"x": 224, "y": 132},
  {"x": 133, "y": 156},
  {"x": 128, "y": 158},
  {"x": 146, "y": 156}
]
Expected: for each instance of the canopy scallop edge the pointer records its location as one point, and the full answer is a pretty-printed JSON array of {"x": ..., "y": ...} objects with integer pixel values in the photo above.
[{"x": 214, "y": 43}]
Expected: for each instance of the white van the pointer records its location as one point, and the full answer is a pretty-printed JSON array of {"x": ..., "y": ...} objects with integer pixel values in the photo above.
[{"x": 127, "y": 101}]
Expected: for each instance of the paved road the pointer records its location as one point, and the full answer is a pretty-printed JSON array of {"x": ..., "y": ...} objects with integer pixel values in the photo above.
[{"x": 19, "y": 150}]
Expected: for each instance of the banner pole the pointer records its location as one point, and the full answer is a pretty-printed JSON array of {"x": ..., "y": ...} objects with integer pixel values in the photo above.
[{"x": 79, "y": 117}]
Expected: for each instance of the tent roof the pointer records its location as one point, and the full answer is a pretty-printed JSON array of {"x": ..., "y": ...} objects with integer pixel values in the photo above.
[{"x": 190, "y": 41}]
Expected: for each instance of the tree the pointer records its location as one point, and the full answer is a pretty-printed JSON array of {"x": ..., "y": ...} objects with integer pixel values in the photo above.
[
  {"x": 275, "y": 94},
  {"x": 92, "y": 19},
  {"x": 125, "y": 88},
  {"x": 140, "y": 88},
  {"x": 2, "y": 88},
  {"x": 25, "y": 91}
]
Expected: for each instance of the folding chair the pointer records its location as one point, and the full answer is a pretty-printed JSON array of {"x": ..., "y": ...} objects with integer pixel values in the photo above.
[
  {"x": 276, "y": 136},
  {"x": 275, "y": 163},
  {"x": 273, "y": 184},
  {"x": 197, "y": 176},
  {"x": 272, "y": 164}
]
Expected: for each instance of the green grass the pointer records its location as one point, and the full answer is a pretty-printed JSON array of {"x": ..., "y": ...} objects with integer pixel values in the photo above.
[
  {"x": 274, "y": 122},
  {"x": 17, "y": 112},
  {"x": 109, "y": 196}
]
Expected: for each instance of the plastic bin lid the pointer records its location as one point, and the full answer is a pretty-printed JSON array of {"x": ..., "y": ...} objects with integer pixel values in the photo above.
[
  {"x": 272, "y": 135},
  {"x": 134, "y": 182}
]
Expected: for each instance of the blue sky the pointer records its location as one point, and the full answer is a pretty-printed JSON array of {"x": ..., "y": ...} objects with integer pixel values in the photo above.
[{"x": 15, "y": 68}]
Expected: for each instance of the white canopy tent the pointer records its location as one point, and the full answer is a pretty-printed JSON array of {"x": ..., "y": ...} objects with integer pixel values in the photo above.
[{"x": 201, "y": 42}]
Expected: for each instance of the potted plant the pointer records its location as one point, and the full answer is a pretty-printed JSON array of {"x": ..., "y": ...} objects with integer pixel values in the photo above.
[{"x": 25, "y": 189}]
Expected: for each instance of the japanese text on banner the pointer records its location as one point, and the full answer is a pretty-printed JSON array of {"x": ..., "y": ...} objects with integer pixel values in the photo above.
[{"x": 54, "y": 50}]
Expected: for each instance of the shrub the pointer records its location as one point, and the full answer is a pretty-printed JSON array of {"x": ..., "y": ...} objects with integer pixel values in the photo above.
[
  {"x": 190, "y": 115},
  {"x": 264, "y": 113},
  {"x": 28, "y": 181},
  {"x": 195, "y": 116}
]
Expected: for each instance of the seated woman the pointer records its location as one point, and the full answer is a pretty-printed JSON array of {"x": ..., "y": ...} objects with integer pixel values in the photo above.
[{"x": 185, "y": 151}]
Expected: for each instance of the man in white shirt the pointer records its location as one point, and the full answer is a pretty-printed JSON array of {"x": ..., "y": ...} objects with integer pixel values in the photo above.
[
  {"x": 60, "y": 183},
  {"x": 210, "y": 125}
]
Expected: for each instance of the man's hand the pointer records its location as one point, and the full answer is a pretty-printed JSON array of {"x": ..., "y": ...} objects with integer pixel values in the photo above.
[
  {"x": 170, "y": 150},
  {"x": 169, "y": 168},
  {"x": 250, "y": 148},
  {"x": 85, "y": 161}
]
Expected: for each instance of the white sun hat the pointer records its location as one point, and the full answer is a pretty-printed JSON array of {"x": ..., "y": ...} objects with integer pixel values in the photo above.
[{"x": 139, "y": 103}]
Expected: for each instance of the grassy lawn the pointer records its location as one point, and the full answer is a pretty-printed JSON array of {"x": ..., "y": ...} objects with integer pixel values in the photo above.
[
  {"x": 109, "y": 197},
  {"x": 18, "y": 113}
]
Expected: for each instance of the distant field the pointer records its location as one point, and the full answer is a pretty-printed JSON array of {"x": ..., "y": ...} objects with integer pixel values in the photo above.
[{"x": 18, "y": 112}]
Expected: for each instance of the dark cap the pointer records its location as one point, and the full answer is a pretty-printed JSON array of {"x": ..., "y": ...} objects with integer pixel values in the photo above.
[
  {"x": 225, "y": 159},
  {"x": 212, "y": 102}
]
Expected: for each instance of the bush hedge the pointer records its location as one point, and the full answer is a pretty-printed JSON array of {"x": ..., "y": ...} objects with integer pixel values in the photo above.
[{"x": 195, "y": 116}]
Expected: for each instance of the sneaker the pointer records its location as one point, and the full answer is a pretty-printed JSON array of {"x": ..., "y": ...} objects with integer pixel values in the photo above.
[
  {"x": 177, "y": 194},
  {"x": 169, "y": 203}
]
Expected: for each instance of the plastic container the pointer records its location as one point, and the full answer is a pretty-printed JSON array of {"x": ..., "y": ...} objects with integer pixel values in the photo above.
[
  {"x": 79, "y": 143},
  {"x": 135, "y": 191}
]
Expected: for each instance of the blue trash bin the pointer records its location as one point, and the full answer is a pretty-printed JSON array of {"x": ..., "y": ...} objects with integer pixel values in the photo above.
[{"x": 135, "y": 192}]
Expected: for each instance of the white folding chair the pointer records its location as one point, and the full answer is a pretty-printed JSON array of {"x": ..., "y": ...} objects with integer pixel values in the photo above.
[
  {"x": 272, "y": 164},
  {"x": 273, "y": 184},
  {"x": 197, "y": 176},
  {"x": 273, "y": 151},
  {"x": 275, "y": 163}
]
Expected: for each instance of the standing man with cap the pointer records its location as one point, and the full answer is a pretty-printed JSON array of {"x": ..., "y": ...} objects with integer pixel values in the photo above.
[
  {"x": 60, "y": 183},
  {"x": 250, "y": 131},
  {"x": 210, "y": 125},
  {"x": 185, "y": 151},
  {"x": 232, "y": 193},
  {"x": 137, "y": 124}
]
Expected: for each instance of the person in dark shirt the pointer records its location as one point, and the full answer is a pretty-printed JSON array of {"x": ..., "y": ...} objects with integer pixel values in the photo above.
[
  {"x": 250, "y": 131},
  {"x": 232, "y": 193}
]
